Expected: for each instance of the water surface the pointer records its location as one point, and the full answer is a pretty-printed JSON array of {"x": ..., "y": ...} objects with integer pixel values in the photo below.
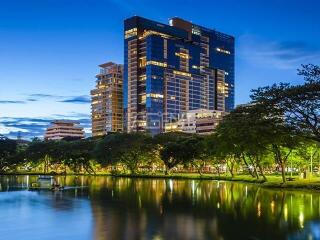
[{"x": 124, "y": 208}]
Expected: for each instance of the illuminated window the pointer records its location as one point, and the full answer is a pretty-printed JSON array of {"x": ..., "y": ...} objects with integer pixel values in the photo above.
[
  {"x": 182, "y": 55},
  {"x": 130, "y": 33},
  {"x": 143, "y": 77},
  {"x": 141, "y": 123},
  {"x": 160, "y": 64},
  {"x": 196, "y": 31},
  {"x": 223, "y": 51},
  {"x": 155, "y": 95},
  {"x": 142, "y": 62},
  {"x": 182, "y": 73},
  {"x": 147, "y": 33}
]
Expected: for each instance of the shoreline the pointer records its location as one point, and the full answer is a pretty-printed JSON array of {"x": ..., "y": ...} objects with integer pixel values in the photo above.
[{"x": 274, "y": 182}]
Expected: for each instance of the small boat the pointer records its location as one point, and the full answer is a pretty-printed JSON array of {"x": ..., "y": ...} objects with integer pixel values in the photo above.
[{"x": 45, "y": 182}]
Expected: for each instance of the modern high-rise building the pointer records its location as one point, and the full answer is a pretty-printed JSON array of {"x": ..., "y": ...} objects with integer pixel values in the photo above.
[
  {"x": 171, "y": 69},
  {"x": 107, "y": 100},
  {"x": 60, "y": 129}
]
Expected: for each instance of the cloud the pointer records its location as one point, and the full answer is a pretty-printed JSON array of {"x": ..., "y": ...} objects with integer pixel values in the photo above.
[
  {"x": 73, "y": 115},
  {"x": 77, "y": 99},
  {"x": 42, "y": 95},
  {"x": 82, "y": 99},
  {"x": 11, "y": 102},
  {"x": 276, "y": 55},
  {"x": 32, "y": 100},
  {"x": 5, "y": 130}
]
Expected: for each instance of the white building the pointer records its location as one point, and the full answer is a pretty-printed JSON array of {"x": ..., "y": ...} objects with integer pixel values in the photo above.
[{"x": 201, "y": 121}]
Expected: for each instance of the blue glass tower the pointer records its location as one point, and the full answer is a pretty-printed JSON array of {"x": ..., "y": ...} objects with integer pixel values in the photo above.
[{"x": 171, "y": 69}]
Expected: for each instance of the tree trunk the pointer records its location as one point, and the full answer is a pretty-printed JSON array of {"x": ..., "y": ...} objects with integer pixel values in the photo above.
[
  {"x": 200, "y": 168},
  {"x": 230, "y": 168},
  {"x": 283, "y": 172},
  {"x": 261, "y": 172},
  {"x": 247, "y": 165}
]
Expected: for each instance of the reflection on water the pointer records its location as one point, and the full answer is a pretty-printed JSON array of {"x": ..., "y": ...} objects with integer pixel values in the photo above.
[{"x": 124, "y": 208}]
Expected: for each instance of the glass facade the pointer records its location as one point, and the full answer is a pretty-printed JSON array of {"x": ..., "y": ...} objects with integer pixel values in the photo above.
[{"x": 172, "y": 69}]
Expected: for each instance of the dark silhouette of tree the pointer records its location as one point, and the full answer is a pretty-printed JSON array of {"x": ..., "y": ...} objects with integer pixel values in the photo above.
[{"x": 299, "y": 105}]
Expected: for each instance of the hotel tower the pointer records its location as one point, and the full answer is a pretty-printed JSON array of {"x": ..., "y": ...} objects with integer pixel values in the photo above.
[{"x": 172, "y": 69}]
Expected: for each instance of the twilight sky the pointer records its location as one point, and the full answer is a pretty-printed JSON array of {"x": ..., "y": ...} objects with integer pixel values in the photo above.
[{"x": 50, "y": 49}]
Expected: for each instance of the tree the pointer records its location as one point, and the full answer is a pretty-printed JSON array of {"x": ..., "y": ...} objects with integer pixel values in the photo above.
[
  {"x": 130, "y": 149},
  {"x": 249, "y": 133},
  {"x": 306, "y": 155},
  {"x": 299, "y": 105},
  {"x": 42, "y": 152},
  {"x": 8, "y": 154},
  {"x": 177, "y": 148},
  {"x": 199, "y": 151},
  {"x": 77, "y": 154}
]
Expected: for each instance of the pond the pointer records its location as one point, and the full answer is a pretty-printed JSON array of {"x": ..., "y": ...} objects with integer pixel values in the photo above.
[{"x": 134, "y": 208}]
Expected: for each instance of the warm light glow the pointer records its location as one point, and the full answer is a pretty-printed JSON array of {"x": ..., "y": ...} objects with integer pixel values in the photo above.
[
  {"x": 130, "y": 33},
  {"x": 160, "y": 64},
  {"x": 182, "y": 55},
  {"x": 182, "y": 73},
  {"x": 223, "y": 51},
  {"x": 155, "y": 95},
  {"x": 301, "y": 219},
  {"x": 286, "y": 212},
  {"x": 272, "y": 207},
  {"x": 147, "y": 33}
]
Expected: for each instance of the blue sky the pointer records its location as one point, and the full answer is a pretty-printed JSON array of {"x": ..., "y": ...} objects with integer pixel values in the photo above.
[{"x": 50, "y": 49}]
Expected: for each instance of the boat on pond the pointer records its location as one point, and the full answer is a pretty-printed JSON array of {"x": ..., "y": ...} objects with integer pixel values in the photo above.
[{"x": 46, "y": 182}]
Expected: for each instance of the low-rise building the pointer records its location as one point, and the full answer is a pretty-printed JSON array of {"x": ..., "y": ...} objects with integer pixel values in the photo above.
[
  {"x": 60, "y": 129},
  {"x": 200, "y": 121}
]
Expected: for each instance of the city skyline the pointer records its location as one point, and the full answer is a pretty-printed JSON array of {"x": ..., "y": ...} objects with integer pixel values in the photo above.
[{"x": 49, "y": 53}]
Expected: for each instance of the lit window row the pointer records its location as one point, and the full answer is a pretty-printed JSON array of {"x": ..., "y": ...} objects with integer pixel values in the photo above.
[
  {"x": 155, "y": 95},
  {"x": 143, "y": 77},
  {"x": 223, "y": 51},
  {"x": 147, "y": 33},
  {"x": 141, "y": 123},
  {"x": 160, "y": 64},
  {"x": 130, "y": 33},
  {"x": 182, "y": 73},
  {"x": 182, "y": 55}
]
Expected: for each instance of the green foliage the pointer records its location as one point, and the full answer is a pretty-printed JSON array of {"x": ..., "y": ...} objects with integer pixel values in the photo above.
[
  {"x": 178, "y": 148},
  {"x": 8, "y": 154},
  {"x": 129, "y": 149},
  {"x": 73, "y": 154},
  {"x": 299, "y": 105}
]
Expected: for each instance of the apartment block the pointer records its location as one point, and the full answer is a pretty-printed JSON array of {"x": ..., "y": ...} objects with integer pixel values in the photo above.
[{"x": 107, "y": 100}]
